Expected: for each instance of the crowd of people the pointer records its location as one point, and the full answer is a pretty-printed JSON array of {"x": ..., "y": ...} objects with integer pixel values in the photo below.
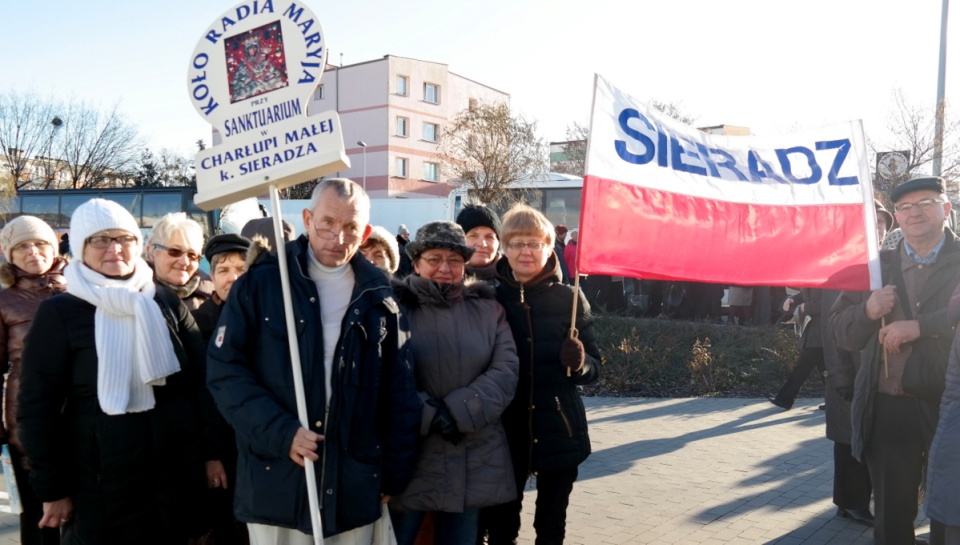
[{"x": 150, "y": 402}]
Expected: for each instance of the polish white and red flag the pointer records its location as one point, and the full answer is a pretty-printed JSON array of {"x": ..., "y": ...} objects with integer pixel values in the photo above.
[{"x": 663, "y": 200}]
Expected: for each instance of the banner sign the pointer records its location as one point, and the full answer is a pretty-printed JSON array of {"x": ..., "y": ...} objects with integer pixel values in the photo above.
[
  {"x": 663, "y": 200},
  {"x": 251, "y": 77}
]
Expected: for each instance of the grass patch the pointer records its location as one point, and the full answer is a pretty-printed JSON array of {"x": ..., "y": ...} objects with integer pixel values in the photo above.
[{"x": 671, "y": 358}]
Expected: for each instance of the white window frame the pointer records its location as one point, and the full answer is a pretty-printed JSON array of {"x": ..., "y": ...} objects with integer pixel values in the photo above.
[
  {"x": 402, "y": 167},
  {"x": 436, "y": 131},
  {"x": 436, "y": 93},
  {"x": 406, "y": 126},
  {"x": 403, "y": 89},
  {"x": 435, "y": 171}
]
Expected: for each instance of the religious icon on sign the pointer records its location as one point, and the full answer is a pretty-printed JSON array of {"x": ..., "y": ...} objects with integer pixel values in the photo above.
[{"x": 255, "y": 62}]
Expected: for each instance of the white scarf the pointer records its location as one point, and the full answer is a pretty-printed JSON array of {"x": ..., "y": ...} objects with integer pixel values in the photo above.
[{"x": 134, "y": 351}]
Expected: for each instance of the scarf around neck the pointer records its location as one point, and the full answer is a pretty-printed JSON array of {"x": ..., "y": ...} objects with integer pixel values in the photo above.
[{"x": 134, "y": 350}]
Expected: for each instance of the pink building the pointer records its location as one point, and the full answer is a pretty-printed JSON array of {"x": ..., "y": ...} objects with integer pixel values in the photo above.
[{"x": 398, "y": 107}]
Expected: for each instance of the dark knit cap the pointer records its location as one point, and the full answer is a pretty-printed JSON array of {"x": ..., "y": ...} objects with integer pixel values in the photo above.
[
  {"x": 478, "y": 216},
  {"x": 227, "y": 242},
  {"x": 931, "y": 183},
  {"x": 445, "y": 235},
  {"x": 264, "y": 228}
]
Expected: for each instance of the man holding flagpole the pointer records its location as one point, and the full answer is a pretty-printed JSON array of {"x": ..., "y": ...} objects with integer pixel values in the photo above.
[
  {"x": 364, "y": 412},
  {"x": 905, "y": 334}
]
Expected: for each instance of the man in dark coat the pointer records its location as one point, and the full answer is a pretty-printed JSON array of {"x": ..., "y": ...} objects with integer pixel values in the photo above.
[
  {"x": 363, "y": 409},
  {"x": 403, "y": 237},
  {"x": 905, "y": 334}
]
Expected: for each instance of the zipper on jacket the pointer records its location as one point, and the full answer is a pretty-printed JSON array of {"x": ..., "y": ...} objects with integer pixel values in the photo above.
[
  {"x": 526, "y": 310},
  {"x": 563, "y": 415}
]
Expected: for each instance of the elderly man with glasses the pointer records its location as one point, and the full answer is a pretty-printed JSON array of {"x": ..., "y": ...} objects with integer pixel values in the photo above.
[
  {"x": 364, "y": 411},
  {"x": 905, "y": 334}
]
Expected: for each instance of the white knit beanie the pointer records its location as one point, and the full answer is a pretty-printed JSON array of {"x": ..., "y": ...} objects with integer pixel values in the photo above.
[
  {"x": 98, "y": 215},
  {"x": 25, "y": 228},
  {"x": 381, "y": 235}
]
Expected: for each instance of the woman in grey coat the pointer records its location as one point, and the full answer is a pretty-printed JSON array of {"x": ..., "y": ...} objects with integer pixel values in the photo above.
[{"x": 466, "y": 366}]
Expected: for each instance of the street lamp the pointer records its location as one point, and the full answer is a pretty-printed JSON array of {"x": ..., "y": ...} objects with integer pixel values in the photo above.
[
  {"x": 56, "y": 123},
  {"x": 363, "y": 145}
]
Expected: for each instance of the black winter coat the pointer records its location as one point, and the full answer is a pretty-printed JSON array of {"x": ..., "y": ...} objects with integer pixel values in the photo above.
[
  {"x": 546, "y": 423},
  {"x": 133, "y": 478},
  {"x": 370, "y": 444}
]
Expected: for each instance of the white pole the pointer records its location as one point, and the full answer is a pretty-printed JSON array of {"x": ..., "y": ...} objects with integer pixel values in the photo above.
[
  {"x": 312, "y": 495},
  {"x": 941, "y": 91}
]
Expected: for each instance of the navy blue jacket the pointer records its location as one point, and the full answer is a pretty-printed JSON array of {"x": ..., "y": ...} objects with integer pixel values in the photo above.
[{"x": 371, "y": 433}]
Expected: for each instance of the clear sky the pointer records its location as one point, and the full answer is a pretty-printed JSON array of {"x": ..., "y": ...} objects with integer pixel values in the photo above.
[{"x": 771, "y": 65}]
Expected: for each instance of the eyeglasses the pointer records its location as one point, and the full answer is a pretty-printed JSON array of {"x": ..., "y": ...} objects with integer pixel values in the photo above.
[
  {"x": 436, "y": 261},
  {"x": 25, "y": 246},
  {"x": 519, "y": 246},
  {"x": 102, "y": 242},
  {"x": 345, "y": 233},
  {"x": 177, "y": 254},
  {"x": 925, "y": 204}
]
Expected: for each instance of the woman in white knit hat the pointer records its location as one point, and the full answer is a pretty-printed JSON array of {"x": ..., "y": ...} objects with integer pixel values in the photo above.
[
  {"x": 33, "y": 273},
  {"x": 111, "y": 395}
]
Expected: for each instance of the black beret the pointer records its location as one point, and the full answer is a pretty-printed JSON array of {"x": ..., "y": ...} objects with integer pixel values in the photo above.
[
  {"x": 931, "y": 183},
  {"x": 227, "y": 242}
]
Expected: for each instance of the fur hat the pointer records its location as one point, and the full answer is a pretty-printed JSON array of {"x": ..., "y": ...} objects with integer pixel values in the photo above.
[
  {"x": 474, "y": 216},
  {"x": 264, "y": 227},
  {"x": 227, "y": 242},
  {"x": 25, "y": 228},
  {"x": 439, "y": 234},
  {"x": 380, "y": 235},
  {"x": 98, "y": 215},
  {"x": 931, "y": 183}
]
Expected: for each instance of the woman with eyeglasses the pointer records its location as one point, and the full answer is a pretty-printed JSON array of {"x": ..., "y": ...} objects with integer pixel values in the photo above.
[
  {"x": 33, "y": 274},
  {"x": 111, "y": 394},
  {"x": 546, "y": 423},
  {"x": 465, "y": 363},
  {"x": 174, "y": 250}
]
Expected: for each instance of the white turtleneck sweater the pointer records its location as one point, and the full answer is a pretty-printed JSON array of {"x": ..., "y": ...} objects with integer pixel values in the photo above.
[{"x": 335, "y": 285}]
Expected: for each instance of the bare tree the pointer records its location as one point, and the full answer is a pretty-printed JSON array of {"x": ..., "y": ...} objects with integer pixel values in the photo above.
[
  {"x": 487, "y": 151},
  {"x": 28, "y": 127},
  {"x": 912, "y": 129},
  {"x": 574, "y": 159},
  {"x": 97, "y": 147}
]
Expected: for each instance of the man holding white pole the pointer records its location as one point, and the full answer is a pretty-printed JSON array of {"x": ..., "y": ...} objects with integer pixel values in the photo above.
[{"x": 362, "y": 406}]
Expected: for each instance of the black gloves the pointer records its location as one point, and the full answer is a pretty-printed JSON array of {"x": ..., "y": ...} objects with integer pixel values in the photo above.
[
  {"x": 443, "y": 423},
  {"x": 572, "y": 354},
  {"x": 845, "y": 392}
]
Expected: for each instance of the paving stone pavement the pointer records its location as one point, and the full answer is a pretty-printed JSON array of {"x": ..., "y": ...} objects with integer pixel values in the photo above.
[{"x": 691, "y": 471}]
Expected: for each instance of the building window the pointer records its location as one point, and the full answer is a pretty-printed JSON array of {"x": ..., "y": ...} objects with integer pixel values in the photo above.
[
  {"x": 430, "y": 132},
  {"x": 401, "y": 167},
  {"x": 431, "y": 93},
  {"x": 402, "y": 124},
  {"x": 431, "y": 172},
  {"x": 402, "y": 87},
  {"x": 318, "y": 94}
]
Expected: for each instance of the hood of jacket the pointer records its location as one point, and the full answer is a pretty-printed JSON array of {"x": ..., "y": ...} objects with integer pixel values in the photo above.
[
  {"x": 414, "y": 291},
  {"x": 548, "y": 275},
  {"x": 11, "y": 275}
]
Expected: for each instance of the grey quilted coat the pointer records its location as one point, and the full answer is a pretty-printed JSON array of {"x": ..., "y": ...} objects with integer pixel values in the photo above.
[{"x": 464, "y": 355}]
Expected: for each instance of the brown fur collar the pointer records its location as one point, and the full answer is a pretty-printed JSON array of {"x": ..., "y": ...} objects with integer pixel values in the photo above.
[{"x": 259, "y": 246}]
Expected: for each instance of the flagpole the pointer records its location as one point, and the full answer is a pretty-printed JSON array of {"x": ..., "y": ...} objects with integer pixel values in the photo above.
[
  {"x": 940, "y": 113},
  {"x": 573, "y": 312},
  {"x": 311, "y": 474}
]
